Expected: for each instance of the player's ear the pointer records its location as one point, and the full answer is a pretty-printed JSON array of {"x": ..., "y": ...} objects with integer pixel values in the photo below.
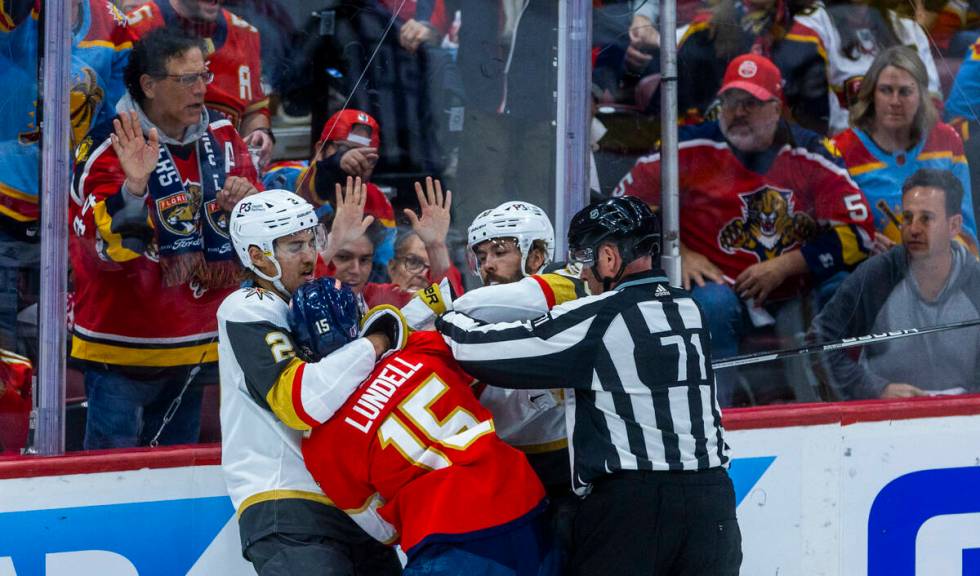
[
  {"x": 608, "y": 259},
  {"x": 535, "y": 258},
  {"x": 256, "y": 255}
]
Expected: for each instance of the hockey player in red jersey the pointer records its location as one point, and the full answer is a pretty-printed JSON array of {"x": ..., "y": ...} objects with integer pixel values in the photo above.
[{"x": 413, "y": 458}]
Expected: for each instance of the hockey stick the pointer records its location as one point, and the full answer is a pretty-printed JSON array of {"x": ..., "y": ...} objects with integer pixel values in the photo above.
[{"x": 758, "y": 357}]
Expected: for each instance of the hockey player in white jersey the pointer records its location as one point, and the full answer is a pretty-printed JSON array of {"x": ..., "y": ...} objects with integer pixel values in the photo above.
[
  {"x": 511, "y": 246},
  {"x": 270, "y": 396}
]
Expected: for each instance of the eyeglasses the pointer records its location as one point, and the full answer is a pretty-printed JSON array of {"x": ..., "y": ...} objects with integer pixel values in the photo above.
[
  {"x": 750, "y": 104},
  {"x": 189, "y": 80},
  {"x": 413, "y": 264}
]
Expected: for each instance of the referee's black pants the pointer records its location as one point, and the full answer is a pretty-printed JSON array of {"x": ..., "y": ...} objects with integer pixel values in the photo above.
[{"x": 658, "y": 524}]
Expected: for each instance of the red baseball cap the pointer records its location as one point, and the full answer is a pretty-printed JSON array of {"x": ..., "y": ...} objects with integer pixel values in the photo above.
[
  {"x": 341, "y": 124},
  {"x": 755, "y": 74}
]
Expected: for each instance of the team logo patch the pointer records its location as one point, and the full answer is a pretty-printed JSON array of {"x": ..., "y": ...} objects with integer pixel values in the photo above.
[
  {"x": 85, "y": 100},
  {"x": 217, "y": 218},
  {"x": 769, "y": 225},
  {"x": 748, "y": 69},
  {"x": 180, "y": 212}
]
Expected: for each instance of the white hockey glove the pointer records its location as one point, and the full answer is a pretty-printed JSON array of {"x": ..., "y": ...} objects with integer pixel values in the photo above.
[{"x": 428, "y": 303}]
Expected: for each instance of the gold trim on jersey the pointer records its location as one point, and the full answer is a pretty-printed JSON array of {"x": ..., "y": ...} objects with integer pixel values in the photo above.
[
  {"x": 280, "y": 397},
  {"x": 552, "y": 446},
  {"x": 122, "y": 355},
  {"x": 282, "y": 495}
]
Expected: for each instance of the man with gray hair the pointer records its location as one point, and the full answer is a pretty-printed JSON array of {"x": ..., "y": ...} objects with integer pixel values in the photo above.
[{"x": 928, "y": 280}]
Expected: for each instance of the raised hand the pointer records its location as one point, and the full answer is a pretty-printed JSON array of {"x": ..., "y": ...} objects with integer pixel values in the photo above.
[
  {"x": 359, "y": 161},
  {"x": 349, "y": 221},
  {"x": 235, "y": 189},
  {"x": 137, "y": 155},
  {"x": 433, "y": 226}
]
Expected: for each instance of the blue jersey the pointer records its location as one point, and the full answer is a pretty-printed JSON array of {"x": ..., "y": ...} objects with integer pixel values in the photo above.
[
  {"x": 100, "y": 51},
  {"x": 964, "y": 96},
  {"x": 881, "y": 175}
]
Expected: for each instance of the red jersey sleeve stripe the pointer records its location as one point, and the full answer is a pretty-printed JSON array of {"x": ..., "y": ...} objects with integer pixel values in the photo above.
[{"x": 549, "y": 294}]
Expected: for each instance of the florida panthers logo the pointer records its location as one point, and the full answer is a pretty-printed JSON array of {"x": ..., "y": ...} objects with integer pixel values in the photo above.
[
  {"x": 217, "y": 217},
  {"x": 85, "y": 99},
  {"x": 180, "y": 212},
  {"x": 768, "y": 226}
]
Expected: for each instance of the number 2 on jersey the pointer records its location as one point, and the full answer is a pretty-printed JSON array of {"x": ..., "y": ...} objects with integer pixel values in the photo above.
[{"x": 457, "y": 430}]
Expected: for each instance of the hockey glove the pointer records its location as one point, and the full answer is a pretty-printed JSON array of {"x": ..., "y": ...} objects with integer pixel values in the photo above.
[
  {"x": 323, "y": 316},
  {"x": 387, "y": 320},
  {"x": 428, "y": 303}
]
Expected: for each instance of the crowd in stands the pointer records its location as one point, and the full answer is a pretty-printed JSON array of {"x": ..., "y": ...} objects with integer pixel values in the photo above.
[{"x": 828, "y": 160}]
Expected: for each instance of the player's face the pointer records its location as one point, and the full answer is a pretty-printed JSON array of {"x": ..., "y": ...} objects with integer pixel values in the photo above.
[
  {"x": 296, "y": 255},
  {"x": 206, "y": 10},
  {"x": 748, "y": 123},
  {"x": 175, "y": 101},
  {"x": 353, "y": 263},
  {"x": 926, "y": 228},
  {"x": 498, "y": 261},
  {"x": 897, "y": 99},
  {"x": 410, "y": 266}
]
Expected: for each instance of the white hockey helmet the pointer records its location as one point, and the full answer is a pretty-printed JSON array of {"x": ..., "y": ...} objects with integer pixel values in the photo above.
[
  {"x": 260, "y": 219},
  {"x": 520, "y": 220}
]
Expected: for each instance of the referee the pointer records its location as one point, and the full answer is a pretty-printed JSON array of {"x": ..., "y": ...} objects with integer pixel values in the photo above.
[{"x": 648, "y": 447}]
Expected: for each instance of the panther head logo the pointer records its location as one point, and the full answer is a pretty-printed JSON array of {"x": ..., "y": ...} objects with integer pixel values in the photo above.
[{"x": 769, "y": 224}]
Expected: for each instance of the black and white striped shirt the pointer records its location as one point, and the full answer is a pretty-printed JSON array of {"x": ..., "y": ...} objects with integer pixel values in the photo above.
[{"x": 639, "y": 360}]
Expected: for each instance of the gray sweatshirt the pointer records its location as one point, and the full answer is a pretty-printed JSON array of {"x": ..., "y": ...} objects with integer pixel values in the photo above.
[{"x": 881, "y": 295}]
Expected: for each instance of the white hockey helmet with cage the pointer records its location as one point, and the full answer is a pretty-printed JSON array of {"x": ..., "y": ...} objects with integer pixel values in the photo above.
[
  {"x": 260, "y": 219},
  {"x": 522, "y": 221}
]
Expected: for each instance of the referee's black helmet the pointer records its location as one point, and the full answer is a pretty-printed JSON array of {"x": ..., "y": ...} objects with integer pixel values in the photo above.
[{"x": 625, "y": 221}]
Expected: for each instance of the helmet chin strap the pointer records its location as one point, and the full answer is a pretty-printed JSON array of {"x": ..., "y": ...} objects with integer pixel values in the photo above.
[
  {"x": 607, "y": 282},
  {"x": 276, "y": 280}
]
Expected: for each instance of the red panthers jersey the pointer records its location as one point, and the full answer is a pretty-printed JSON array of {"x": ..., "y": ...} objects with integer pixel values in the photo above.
[
  {"x": 15, "y": 400},
  {"x": 413, "y": 454},
  {"x": 741, "y": 209},
  {"x": 233, "y": 56}
]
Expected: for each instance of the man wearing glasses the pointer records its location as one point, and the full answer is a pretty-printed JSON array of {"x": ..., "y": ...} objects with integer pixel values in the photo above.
[
  {"x": 234, "y": 54},
  {"x": 150, "y": 249},
  {"x": 767, "y": 208}
]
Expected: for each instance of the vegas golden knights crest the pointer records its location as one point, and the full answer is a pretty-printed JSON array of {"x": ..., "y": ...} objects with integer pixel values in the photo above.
[
  {"x": 180, "y": 212},
  {"x": 217, "y": 218},
  {"x": 769, "y": 225}
]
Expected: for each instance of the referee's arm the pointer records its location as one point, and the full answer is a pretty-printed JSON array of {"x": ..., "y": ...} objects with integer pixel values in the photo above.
[{"x": 553, "y": 351}]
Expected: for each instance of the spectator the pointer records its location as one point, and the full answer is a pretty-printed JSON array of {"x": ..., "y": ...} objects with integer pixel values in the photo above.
[
  {"x": 348, "y": 148},
  {"x": 767, "y": 208},
  {"x": 963, "y": 111},
  {"x": 353, "y": 238},
  {"x": 150, "y": 249},
  {"x": 838, "y": 41},
  {"x": 100, "y": 49},
  {"x": 15, "y": 401},
  {"x": 929, "y": 280},
  {"x": 233, "y": 56},
  {"x": 409, "y": 269},
  {"x": 717, "y": 35},
  {"x": 506, "y": 59},
  {"x": 894, "y": 132},
  {"x": 272, "y": 392}
]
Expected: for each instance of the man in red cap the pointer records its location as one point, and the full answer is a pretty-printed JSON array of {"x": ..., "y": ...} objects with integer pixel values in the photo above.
[{"x": 767, "y": 208}]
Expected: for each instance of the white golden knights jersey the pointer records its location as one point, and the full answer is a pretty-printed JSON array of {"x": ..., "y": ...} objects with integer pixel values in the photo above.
[{"x": 269, "y": 398}]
